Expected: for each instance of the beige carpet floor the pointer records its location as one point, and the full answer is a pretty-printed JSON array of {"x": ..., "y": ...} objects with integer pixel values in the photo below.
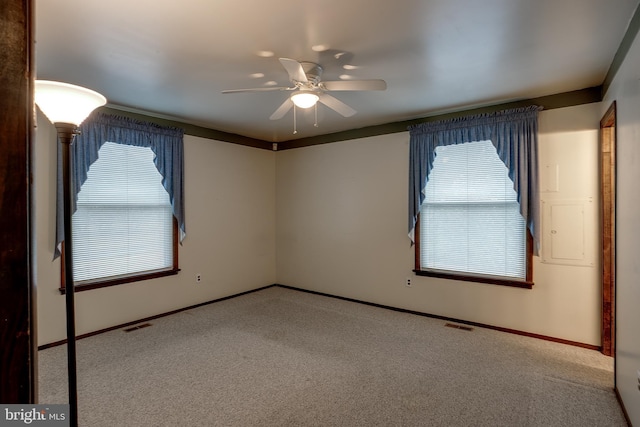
[{"x": 280, "y": 357}]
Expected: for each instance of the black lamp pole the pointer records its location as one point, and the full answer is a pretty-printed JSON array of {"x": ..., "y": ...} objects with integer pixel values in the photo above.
[
  {"x": 66, "y": 134},
  {"x": 54, "y": 99}
]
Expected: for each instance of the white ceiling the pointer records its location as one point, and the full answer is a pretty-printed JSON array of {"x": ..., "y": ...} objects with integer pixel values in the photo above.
[{"x": 173, "y": 59}]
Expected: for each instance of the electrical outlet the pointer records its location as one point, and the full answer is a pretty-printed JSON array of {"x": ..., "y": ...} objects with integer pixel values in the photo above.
[
  {"x": 408, "y": 282},
  {"x": 198, "y": 278}
]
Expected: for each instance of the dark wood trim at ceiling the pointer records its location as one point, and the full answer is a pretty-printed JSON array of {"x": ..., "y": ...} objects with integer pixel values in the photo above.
[
  {"x": 560, "y": 100},
  {"x": 189, "y": 129},
  {"x": 18, "y": 359},
  {"x": 623, "y": 49}
]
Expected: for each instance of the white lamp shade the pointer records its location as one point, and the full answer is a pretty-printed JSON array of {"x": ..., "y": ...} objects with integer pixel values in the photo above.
[
  {"x": 304, "y": 99},
  {"x": 66, "y": 103}
]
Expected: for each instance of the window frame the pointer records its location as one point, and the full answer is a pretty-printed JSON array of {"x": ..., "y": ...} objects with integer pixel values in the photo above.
[
  {"x": 527, "y": 283},
  {"x": 128, "y": 278}
]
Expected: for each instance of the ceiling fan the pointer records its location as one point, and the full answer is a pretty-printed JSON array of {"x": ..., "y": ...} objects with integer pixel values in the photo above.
[{"x": 308, "y": 88}]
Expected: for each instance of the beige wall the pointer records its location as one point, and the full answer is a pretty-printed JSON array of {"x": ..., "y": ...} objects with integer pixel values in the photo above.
[
  {"x": 341, "y": 229},
  {"x": 230, "y": 208},
  {"x": 625, "y": 90}
]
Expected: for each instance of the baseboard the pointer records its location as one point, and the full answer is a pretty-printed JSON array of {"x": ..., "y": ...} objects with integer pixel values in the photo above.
[
  {"x": 147, "y": 319},
  {"x": 624, "y": 410},
  {"x": 451, "y": 319},
  {"x": 418, "y": 313}
]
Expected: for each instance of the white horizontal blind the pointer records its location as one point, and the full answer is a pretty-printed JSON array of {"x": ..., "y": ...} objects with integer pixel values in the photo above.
[
  {"x": 123, "y": 224},
  {"x": 470, "y": 220}
]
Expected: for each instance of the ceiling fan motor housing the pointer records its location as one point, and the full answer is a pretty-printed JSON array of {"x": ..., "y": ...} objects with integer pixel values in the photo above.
[{"x": 313, "y": 71}]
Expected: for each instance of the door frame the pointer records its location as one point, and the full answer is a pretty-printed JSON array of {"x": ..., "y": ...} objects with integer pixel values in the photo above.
[{"x": 607, "y": 160}]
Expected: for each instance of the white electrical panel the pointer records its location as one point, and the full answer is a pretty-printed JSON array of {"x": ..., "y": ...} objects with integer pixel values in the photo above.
[
  {"x": 551, "y": 178},
  {"x": 569, "y": 232}
]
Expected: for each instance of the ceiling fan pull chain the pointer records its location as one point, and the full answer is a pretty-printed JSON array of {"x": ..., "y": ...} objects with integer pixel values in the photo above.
[
  {"x": 316, "y": 112},
  {"x": 295, "y": 130}
]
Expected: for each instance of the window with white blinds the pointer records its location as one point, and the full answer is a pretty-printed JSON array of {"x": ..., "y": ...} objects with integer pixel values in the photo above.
[
  {"x": 470, "y": 220},
  {"x": 123, "y": 224}
]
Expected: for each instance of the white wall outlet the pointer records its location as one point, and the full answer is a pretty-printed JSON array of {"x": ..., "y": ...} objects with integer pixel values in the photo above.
[
  {"x": 198, "y": 278},
  {"x": 408, "y": 282}
]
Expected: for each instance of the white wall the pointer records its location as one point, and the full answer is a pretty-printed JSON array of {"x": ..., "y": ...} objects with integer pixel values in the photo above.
[
  {"x": 230, "y": 216},
  {"x": 625, "y": 90},
  {"x": 341, "y": 229}
]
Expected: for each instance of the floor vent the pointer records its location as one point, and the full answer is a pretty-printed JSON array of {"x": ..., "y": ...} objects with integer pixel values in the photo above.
[
  {"x": 464, "y": 328},
  {"x": 133, "y": 328}
]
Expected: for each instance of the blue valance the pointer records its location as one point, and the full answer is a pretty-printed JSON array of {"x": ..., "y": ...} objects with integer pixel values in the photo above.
[
  {"x": 165, "y": 142},
  {"x": 514, "y": 133}
]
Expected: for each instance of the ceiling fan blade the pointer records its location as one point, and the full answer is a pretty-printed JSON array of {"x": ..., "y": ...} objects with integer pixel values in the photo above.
[
  {"x": 282, "y": 109},
  {"x": 258, "y": 89},
  {"x": 294, "y": 69},
  {"x": 374, "y": 84},
  {"x": 337, "y": 105}
]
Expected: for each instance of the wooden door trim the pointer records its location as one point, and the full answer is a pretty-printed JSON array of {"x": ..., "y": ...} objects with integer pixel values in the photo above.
[{"x": 607, "y": 151}]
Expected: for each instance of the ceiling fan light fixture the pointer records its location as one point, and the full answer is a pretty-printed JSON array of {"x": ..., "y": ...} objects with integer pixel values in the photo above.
[{"x": 304, "y": 99}]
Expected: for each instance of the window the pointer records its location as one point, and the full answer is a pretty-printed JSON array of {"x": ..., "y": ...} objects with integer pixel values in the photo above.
[
  {"x": 123, "y": 227},
  {"x": 129, "y": 187},
  {"x": 470, "y": 224}
]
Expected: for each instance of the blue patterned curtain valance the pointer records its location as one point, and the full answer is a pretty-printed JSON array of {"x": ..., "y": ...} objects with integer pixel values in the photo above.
[
  {"x": 165, "y": 142},
  {"x": 514, "y": 133}
]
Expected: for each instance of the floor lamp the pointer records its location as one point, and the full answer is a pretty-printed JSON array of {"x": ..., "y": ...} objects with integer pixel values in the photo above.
[{"x": 66, "y": 106}]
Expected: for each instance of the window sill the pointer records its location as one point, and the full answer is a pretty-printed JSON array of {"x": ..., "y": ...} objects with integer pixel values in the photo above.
[
  {"x": 492, "y": 280},
  {"x": 121, "y": 280}
]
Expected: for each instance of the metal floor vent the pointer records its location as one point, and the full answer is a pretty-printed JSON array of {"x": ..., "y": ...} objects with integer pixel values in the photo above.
[
  {"x": 133, "y": 328},
  {"x": 453, "y": 325}
]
